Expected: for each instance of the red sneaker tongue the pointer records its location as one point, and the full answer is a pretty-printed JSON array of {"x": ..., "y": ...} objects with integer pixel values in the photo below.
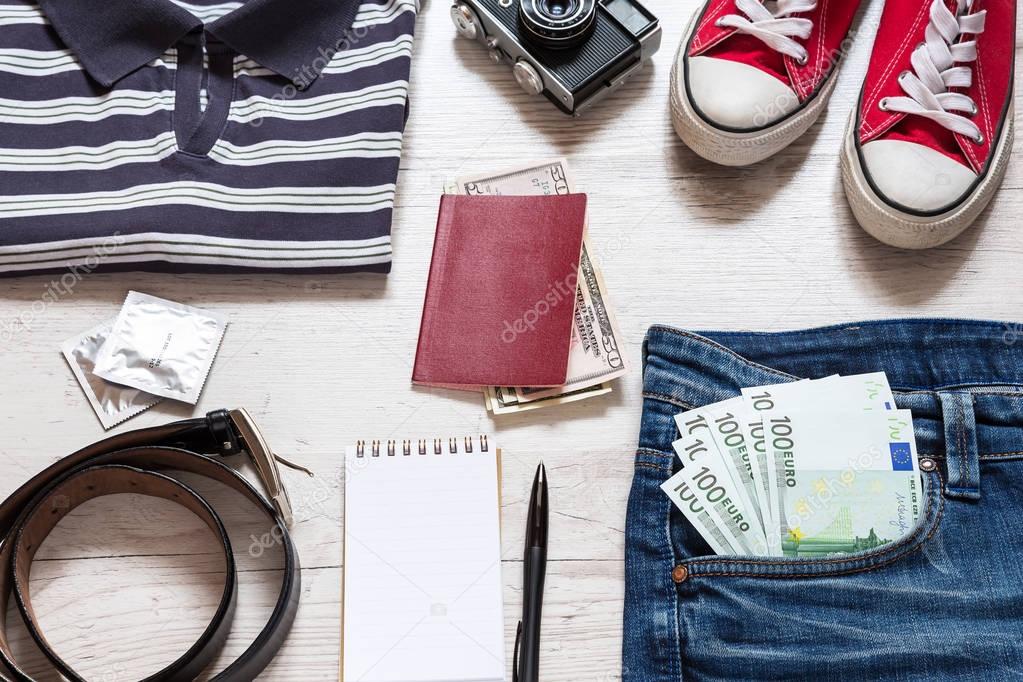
[{"x": 743, "y": 48}]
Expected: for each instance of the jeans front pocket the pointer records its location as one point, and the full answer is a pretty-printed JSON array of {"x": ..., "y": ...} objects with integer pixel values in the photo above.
[
  {"x": 781, "y": 567},
  {"x": 863, "y": 616}
]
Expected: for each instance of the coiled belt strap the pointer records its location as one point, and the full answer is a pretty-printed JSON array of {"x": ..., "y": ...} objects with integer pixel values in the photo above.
[{"x": 135, "y": 462}]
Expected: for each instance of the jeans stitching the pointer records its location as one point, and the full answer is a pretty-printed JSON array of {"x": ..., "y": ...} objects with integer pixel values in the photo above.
[
  {"x": 672, "y": 593},
  {"x": 961, "y": 438},
  {"x": 729, "y": 351},
  {"x": 989, "y": 455},
  {"x": 687, "y": 405},
  {"x": 749, "y": 363},
  {"x": 668, "y": 399},
  {"x": 909, "y": 544}
]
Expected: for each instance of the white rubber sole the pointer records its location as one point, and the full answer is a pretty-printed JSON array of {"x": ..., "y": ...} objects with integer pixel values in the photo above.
[
  {"x": 905, "y": 230},
  {"x": 730, "y": 148}
]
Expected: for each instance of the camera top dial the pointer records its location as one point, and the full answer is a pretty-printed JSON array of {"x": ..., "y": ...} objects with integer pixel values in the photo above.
[{"x": 557, "y": 24}]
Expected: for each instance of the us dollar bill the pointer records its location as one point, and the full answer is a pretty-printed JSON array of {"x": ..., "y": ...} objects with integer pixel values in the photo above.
[
  {"x": 505, "y": 399},
  {"x": 595, "y": 355}
]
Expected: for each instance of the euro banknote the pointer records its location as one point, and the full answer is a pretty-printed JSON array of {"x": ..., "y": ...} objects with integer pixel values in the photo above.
[{"x": 801, "y": 468}]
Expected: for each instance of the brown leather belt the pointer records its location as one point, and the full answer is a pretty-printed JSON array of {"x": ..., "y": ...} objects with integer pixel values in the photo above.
[{"x": 135, "y": 462}]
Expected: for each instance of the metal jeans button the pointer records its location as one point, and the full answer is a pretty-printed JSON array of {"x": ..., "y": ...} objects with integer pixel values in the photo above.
[
  {"x": 928, "y": 464},
  {"x": 679, "y": 574}
]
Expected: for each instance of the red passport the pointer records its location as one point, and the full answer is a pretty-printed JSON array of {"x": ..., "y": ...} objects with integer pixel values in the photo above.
[{"x": 501, "y": 295}]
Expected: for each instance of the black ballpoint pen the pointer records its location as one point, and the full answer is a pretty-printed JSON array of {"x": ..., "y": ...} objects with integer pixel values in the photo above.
[{"x": 534, "y": 570}]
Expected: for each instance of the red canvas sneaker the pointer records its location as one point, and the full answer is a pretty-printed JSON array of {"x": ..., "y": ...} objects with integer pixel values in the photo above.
[
  {"x": 929, "y": 142},
  {"x": 751, "y": 76}
]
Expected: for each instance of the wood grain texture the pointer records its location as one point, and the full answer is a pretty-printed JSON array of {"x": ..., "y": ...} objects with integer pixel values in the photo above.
[{"x": 123, "y": 584}]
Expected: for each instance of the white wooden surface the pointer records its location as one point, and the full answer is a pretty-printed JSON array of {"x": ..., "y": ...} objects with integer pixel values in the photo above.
[{"x": 124, "y": 584}]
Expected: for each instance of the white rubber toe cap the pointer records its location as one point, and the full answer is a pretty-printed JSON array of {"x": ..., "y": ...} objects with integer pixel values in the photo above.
[
  {"x": 735, "y": 95},
  {"x": 914, "y": 176}
]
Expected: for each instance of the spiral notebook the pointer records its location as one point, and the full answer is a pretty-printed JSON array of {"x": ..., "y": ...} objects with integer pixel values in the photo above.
[{"x": 422, "y": 562}]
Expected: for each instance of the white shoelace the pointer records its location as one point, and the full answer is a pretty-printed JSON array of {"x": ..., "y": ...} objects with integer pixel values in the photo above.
[
  {"x": 770, "y": 22},
  {"x": 934, "y": 71}
]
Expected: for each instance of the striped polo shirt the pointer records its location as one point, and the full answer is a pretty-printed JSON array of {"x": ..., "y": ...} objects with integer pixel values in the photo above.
[{"x": 201, "y": 135}]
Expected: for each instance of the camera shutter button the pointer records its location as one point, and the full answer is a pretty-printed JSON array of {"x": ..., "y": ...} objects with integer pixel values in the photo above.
[
  {"x": 527, "y": 77},
  {"x": 465, "y": 21}
]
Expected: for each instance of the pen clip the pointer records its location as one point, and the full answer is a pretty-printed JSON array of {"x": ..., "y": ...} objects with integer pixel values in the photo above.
[{"x": 515, "y": 653}]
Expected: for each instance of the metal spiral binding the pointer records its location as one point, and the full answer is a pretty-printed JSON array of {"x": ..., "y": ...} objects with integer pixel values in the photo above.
[{"x": 422, "y": 443}]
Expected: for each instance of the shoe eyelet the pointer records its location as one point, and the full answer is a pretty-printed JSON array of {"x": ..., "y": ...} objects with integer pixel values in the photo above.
[
  {"x": 973, "y": 112},
  {"x": 717, "y": 22},
  {"x": 803, "y": 60},
  {"x": 883, "y": 104},
  {"x": 904, "y": 74},
  {"x": 979, "y": 140}
]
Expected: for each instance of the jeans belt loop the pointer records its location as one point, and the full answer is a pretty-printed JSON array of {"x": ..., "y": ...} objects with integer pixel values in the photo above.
[{"x": 961, "y": 458}]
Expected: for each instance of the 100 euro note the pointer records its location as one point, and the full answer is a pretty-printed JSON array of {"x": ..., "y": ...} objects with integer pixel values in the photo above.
[
  {"x": 839, "y": 460},
  {"x": 848, "y": 480},
  {"x": 595, "y": 355},
  {"x": 766, "y": 440},
  {"x": 719, "y": 478}
]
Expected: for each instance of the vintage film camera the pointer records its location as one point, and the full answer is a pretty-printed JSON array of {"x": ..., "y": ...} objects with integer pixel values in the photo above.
[{"x": 574, "y": 52}]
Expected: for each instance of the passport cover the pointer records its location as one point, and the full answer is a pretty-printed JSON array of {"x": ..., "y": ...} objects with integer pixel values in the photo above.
[{"x": 501, "y": 295}]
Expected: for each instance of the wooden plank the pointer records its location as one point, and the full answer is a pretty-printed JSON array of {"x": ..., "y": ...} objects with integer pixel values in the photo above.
[{"x": 323, "y": 361}]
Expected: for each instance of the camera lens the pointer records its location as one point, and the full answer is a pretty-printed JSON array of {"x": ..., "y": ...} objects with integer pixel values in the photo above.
[
  {"x": 557, "y": 24},
  {"x": 556, "y": 9}
]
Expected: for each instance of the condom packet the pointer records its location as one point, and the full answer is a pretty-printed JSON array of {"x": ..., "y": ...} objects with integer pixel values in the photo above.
[
  {"x": 112, "y": 403},
  {"x": 161, "y": 347}
]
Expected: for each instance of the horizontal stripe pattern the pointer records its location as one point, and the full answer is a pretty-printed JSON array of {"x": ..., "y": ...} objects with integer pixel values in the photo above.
[
  {"x": 375, "y": 14},
  {"x": 374, "y": 55},
  {"x": 51, "y": 62},
  {"x": 345, "y": 61},
  {"x": 184, "y": 248},
  {"x": 208, "y": 13},
  {"x": 38, "y": 62},
  {"x": 60, "y": 110},
  {"x": 11, "y": 15},
  {"x": 327, "y": 157},
  {"x": 363, "y": 145},
  {"x": 88, "y": 158},
  {"x": 206, "y": 194},
  {"x": 311, "y": 108}
]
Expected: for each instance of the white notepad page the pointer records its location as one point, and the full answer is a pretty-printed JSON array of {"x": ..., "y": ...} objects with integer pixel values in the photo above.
[{"x": 422, "y": 567}]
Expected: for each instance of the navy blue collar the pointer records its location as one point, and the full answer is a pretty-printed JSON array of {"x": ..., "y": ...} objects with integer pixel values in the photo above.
[{"x": 112, "y": 38}]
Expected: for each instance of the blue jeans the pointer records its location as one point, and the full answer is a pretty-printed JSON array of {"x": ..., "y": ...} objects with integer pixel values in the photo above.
[{"x": 944, "y": 602}]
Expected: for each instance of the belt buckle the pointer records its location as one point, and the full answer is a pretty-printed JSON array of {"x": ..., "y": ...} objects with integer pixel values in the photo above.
[{"x": 265, "y": 461}]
